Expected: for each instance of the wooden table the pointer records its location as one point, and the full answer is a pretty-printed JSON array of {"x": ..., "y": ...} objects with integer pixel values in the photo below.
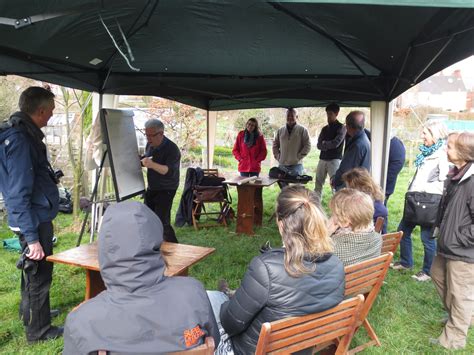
[
  {"x": 249, "y": 202},
  {"x": 180, "y": 257}
]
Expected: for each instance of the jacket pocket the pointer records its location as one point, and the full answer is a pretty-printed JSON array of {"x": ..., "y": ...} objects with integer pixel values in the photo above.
[{"x": 465, "y": 235}]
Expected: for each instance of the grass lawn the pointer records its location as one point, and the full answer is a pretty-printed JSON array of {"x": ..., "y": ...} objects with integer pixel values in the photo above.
[{"x": 405, "y": 315}]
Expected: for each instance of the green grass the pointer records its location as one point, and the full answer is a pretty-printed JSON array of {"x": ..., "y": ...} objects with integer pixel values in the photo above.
[{"x": 405, "y": 315}]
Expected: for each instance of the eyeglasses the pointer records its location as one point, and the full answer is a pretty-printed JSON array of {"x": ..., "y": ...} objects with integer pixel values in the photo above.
[{"x": 153, "y": 135}]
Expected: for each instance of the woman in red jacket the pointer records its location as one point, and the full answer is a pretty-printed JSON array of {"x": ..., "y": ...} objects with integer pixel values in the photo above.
[{"x": 250, "y": 149}]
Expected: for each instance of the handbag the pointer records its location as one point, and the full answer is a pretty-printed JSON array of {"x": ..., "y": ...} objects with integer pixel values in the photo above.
[{"x": 421, "y": 208}]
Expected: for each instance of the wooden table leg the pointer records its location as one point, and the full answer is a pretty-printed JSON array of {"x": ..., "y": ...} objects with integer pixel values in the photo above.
[
  {"x": 258, "y": 207},
  {"x": 94, "y": 284},
  {"x": 245, "y": 209}
]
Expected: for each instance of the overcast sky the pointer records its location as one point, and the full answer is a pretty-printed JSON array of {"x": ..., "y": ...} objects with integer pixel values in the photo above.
[{"x": 467, "y": 70}]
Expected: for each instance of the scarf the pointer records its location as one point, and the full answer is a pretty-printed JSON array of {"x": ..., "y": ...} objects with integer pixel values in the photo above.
[
  {"x": 427, "y": 151},
  {"x": 250, "y": 138}
]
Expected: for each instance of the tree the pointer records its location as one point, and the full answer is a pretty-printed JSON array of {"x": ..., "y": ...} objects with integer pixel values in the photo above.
[
  {"x": 82, "y": 99},
  {"x": 184, "y": 124}
]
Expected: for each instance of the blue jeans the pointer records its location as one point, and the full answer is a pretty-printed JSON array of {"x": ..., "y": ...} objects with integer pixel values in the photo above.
[
  {"x": 248, "y": 174},
  {"x": 406, "y": 251}
]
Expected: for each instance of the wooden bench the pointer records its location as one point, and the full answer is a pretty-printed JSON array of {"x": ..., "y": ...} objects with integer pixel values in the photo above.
[
  {"x": 318, "y": 330},
  {"x": 205, "y": 349},
  {"x": 391, "y": 241},
  {"x": 367, "y": 278}
]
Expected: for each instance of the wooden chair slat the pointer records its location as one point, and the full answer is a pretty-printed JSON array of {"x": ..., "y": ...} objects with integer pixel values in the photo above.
[
  {"x": 360, "y": 279},
  {"x": 391, "y": 241},
  {"x": 310, "y": 326},
  {"x": 297, "y": 336},
  {"x": 334, "y": 329},
  {"x": 354, "y": 275},
  {"x": 286, "y": 322},
  {"x": 363, "y": 279},
  {"x": 379, "y": 224},
  {"x": 293, "y": 347}
]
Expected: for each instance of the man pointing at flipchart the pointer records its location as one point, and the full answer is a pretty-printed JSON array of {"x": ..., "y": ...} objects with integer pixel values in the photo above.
[{"x": 162, "y": 160}]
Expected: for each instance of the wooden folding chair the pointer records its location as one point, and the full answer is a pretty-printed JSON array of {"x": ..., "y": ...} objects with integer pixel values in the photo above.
[
  {"x": 336, "y": 325},
  {"x": 367, "y": 278},
  {"x": 391, "y": 241},
  {"x": 379, "y": 224},
  {"x": 205, "y": 349}
]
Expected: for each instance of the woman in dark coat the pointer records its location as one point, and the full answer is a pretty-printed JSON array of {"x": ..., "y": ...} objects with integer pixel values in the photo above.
[
  {"x": 453, "y": 267},
  {"x": 301, "y": 278},
  {"x": 250, "y": 149}
]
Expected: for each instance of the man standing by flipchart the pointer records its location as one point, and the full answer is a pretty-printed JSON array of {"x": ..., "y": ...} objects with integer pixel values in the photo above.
[{"x": 162, "y": 160}]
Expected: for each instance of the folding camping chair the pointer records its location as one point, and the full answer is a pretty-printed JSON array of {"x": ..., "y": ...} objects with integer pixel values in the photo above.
[{"x": 205, "y": 195}]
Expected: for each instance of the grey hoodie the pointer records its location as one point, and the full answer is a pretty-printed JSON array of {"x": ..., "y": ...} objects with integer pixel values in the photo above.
[{"x": 142, "y": 311}]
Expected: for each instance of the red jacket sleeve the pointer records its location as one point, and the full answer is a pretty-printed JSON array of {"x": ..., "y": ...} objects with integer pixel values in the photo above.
[{"x": 236, "y": 150}]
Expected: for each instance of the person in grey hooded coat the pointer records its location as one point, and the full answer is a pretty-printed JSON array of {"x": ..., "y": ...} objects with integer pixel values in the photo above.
[{"x": 142, "y": 310}]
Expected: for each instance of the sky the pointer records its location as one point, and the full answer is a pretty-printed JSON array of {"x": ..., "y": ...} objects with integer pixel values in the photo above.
[{"x": 467, "y": 71}]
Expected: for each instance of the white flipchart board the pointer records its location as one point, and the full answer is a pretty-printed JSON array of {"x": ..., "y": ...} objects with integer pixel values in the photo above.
[{"x": 118, "y": 133}]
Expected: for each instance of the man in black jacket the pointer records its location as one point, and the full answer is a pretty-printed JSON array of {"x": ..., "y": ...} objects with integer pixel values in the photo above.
[
  {"x": 330, "y": 143},
  {"x": 357, "y": 150},
  {"x": 162, "y": 159}
]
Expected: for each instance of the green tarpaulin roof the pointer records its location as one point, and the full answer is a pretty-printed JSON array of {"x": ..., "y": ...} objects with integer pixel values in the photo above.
[{"x": 221, "y": 55}]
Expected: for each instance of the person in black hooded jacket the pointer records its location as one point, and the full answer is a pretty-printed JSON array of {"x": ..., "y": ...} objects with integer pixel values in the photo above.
[
  {"x": 142, "y": 310},
  {"x": 301, "y": 278}
]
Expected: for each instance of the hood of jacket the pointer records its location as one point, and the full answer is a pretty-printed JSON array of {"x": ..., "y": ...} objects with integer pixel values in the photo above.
[{"x": 129, "y": 248}]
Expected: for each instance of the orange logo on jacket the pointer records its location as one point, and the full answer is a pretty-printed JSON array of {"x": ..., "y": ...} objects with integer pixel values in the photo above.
[{"x": 192, "y": 336}]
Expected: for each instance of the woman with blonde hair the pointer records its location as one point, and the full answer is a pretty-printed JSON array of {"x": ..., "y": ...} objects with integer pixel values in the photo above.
[
  {"x": 453, "y": 267},
  {"x": 360, "y": 179},
  {"x": 300, "y": 278},
  {"x": 351, "y": 227},
  {"x": 431, "y": 170}
]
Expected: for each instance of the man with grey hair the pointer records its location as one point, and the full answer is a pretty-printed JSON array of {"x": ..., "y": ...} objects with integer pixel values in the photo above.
[
  {"x": 162, "y": 159},
  {"x": 357, "y": 150},
  {"x": 28, "y": 185}
]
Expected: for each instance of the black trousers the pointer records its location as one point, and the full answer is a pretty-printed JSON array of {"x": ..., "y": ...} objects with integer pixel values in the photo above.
[
  {"x": 160, "y": 202},
  {"x": 35, "y": 284}
]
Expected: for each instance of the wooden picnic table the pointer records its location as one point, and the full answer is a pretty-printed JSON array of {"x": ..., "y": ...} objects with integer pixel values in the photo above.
[
  {"x": 179, "y": 257},
  {"x": 249, "y": 202}
]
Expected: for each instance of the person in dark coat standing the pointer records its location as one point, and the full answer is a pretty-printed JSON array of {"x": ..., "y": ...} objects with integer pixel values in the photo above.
[
  {"x": 330, "y": 143},
  {"x": 250, "y": 149},
  {"x": 162, "y": 160},
  {"x": 357, "y": 150},
  {"x": 142, "y": 311},
  {"x": 452, "y": 270},
  {"x": 301, "y": 278},
  {"x": 28, "y": 185},
  {"x": 396, "y": 161}
]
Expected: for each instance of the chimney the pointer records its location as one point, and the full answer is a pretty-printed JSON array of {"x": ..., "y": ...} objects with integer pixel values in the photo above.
[{"x": 457, "y": 73}]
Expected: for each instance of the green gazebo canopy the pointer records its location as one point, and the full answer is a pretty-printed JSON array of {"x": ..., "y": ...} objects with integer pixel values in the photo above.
[{"x": 220, "y": 55}]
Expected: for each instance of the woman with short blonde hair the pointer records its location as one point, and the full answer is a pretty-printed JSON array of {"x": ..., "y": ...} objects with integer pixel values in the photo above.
[
  {"x": 431, "y": 170},
  {"x": 360, "y": 179},
  {"x": 351, "y": 227}
]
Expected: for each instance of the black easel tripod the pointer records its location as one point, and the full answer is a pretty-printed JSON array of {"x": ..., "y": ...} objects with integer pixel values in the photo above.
[{"x": 93, "y": 198}]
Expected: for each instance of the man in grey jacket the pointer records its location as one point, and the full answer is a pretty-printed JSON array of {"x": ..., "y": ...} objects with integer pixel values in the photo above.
[
  {"x": 291, "y": 144},
  {"x": 142, "y": 310}
]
